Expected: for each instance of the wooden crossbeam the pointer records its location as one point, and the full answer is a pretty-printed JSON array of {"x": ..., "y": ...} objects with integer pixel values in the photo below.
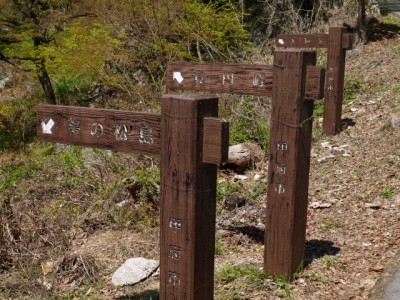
[
  {"x": 125, "y": 131},
  {"x": 313, "y": 40},
  {"x": 248, "y": 79}
]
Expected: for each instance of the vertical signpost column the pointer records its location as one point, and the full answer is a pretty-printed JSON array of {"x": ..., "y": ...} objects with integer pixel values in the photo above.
[
  {"x": 337, "y": 42},
  {"x": 290, "y": 146},
  {"x": 188, "y": 194},
  {"x": 334, "y": 81}
]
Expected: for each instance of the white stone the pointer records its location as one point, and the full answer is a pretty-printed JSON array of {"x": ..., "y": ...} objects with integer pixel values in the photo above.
[
  {"x": 240, "y": 177},
  {"x": 134, "y": 270}
]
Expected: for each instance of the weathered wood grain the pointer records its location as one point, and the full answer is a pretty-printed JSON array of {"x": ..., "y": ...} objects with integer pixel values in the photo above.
[
  {"x": 315, "y": 83},
  {"x": 337, "y": 42},
  {"x": 215, "y": 141},
  {"x": 188, "y": 200},
  {"x": 246, "y": 79},
  {"x": 314, "y": 40},
  {"x": 288, "y": 174},
  {"x": 334, "y": 85},
  {"x": 124, "y": 131},
  {"x": 221, "y": 78}
]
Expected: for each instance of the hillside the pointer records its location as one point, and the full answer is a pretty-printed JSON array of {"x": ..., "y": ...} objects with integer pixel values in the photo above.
[{"x": 71, "y": 216}]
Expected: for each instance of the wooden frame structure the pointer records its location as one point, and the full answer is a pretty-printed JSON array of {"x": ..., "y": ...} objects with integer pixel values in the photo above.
[
  {"x": 337, "y": 42},
  {"x": 292, "y": 81},
  {"x": 191, "y": 142}
]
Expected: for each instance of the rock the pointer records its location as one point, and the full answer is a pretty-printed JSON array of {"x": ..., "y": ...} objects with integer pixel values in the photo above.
[
  {"x": 134, "y": 270},
  {"x": 317, "y": 204},
  {"x": 240, "y": 177},
  {"x": 233, "y": 201},
  {"x": 243, "y": 156},
  {"x": 395, "y": 121}
]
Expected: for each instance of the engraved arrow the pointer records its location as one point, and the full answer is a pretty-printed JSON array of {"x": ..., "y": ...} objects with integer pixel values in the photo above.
[
  {"x": 47, "y": 126},
  {"x": 177, "y": 76}
]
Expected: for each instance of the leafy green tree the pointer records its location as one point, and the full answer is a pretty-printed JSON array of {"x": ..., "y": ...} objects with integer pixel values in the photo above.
[
  {"x": 155, "y": 32},
  {"x": 54, "y": 38}
]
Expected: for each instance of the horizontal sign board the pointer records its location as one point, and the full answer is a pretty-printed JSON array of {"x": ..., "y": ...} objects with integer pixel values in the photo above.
[
  {"x": 234, "y": 79},
  {"x": 220, "y": 78},
  {"x": 125, "y": 131},
  {"x": 316, "y": 40}
]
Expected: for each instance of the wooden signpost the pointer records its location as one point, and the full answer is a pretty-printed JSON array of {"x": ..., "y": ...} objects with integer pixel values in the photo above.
[
  {"x": 292, "y": 81},
  {"x": 289, "y": 164},
  {"x": 191, "y": 141},
  {"x": 337, "y": 42}
]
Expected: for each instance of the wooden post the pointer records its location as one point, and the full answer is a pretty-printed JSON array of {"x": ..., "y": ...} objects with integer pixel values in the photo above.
[
  {"x": 334, "y": 81},
  {"x": 290, "y": 146},
  {"x": 188, "y": 199},
  {"x": 337, "y": 42}
]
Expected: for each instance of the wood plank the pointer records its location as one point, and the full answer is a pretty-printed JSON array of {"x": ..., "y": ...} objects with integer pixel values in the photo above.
[
  {"x": 215, "y": 141},
  {"x": 188, "y": 200},
  {"x": 334, "y": 85},
  {"x": 220, "y": 78},
  {"x": 125, "y": 131},
  {"x": 244, "y": 78},
  {"x": 288, "y": 174},
  {"x": 313, "y": 40},
  {"x": 315, "y": 83}
]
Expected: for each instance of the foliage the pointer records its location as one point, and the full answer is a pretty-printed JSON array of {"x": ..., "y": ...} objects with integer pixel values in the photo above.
[
  {"x": 225, "y": 188},
  {"x": 352, "y": 87},
  {"x": 17, "y": 122},
  {"x": 229, "y": 273},
  {"x": 218, "y": 247},
  {"x": 249, "y": 122},
  {"x": 388, "y": 192},
  {"x": 331, "y": 224},
  {"x": 80, "y": 50},
  {"x": 155, "y": 32},
  {"x": 54, "y": 39}
]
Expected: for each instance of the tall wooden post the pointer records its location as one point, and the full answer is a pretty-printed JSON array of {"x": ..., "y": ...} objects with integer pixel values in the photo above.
[
  {"x": 188, "y": 194},
  {"x": 334, "y": 85},
  {"x": 337, "y": 42},
  {"x": 290, "y": 146}
]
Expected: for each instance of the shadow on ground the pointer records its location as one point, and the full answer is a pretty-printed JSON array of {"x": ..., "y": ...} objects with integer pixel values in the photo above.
[
  {"x": 319, "y": 248},
  {"x": 254, "y": 233},
  {"x": 377, "y": 31}
]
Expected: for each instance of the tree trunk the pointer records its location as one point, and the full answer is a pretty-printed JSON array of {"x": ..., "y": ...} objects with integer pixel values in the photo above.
[
  {"x": 45, "y": 82},
  {"x": 361, "y": 21},
  {"x": 42, "y": 73}
]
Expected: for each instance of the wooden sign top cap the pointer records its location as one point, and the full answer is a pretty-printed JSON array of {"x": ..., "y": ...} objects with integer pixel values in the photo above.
[{"x": 189, "y": 96}]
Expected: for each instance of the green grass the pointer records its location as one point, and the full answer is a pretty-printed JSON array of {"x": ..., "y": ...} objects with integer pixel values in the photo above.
[
  {"x": 388, "y": 192},
  {"x": 331, "y": 224}
]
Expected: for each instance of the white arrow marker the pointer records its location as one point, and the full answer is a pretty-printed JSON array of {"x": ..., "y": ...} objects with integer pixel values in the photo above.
[
  {"x": 47, "y": 126},
  {"x": 177, "y": 76}
]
